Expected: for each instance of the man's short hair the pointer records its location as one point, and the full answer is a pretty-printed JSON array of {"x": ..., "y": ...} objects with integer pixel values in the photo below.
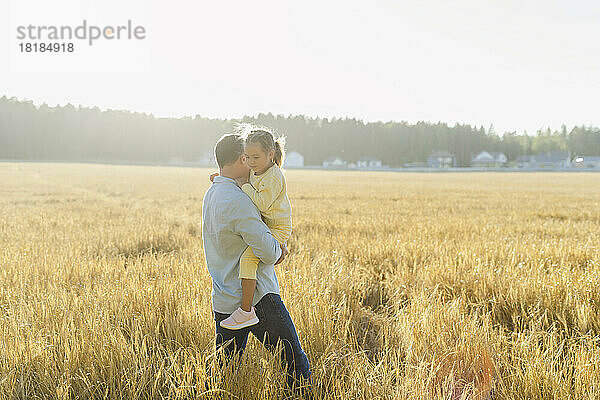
[{"x": 228, "y": 149}]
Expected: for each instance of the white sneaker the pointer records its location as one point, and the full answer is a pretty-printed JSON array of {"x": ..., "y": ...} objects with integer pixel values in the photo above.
[{"x": 240, "y": 319}]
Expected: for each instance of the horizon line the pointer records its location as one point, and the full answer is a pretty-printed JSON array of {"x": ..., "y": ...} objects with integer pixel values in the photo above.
[{"x": 317, "y": 117}]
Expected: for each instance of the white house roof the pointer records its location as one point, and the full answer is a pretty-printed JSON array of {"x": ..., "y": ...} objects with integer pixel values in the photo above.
[
  {"x": 494, "y": 156},
  {"x": 483, "y": 157}
]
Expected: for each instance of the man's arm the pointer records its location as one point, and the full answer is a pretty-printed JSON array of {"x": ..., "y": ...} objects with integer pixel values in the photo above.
[{"x": 246, "y": 221}]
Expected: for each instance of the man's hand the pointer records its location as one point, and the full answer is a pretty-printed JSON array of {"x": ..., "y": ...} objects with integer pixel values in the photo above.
[
  {"x": 284, "y": 253},
  {"x": 212, "y": 176}
]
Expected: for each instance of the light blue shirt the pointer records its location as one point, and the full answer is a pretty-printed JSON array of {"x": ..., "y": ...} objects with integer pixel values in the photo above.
[{"x": 231, "y": 223}]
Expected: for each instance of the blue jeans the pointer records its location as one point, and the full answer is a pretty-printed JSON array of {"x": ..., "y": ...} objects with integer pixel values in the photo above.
[{"x": 275, "y": 324}]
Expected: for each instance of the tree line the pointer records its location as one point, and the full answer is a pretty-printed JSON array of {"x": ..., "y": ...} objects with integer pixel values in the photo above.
[{"x": 69, "y": 133}]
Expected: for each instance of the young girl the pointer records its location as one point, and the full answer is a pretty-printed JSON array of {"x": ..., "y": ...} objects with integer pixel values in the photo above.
[{"x": 267, "y": 190}]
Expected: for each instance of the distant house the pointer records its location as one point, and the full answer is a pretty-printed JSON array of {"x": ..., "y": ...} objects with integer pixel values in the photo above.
[
  {"x": 499, "y": 157},
  {"x": 293, "y": 159},
  {"x": 441, "y": 159},
  {"x": 368, "y": 162},
  {"x": 586, "y": 162},
  {"x": 485, "y": 159},
  {"x": 334, "y": 162},
  {"x": 549, "y": 160}
]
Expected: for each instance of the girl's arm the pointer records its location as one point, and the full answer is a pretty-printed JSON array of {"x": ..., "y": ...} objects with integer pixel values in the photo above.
[{"x": 266, "y": 193}]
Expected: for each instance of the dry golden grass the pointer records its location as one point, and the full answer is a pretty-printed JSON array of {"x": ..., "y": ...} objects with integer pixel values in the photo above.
[{"x": 401, "y": 285}]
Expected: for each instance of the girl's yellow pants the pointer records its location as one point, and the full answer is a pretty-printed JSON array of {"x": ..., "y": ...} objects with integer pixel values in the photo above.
[{"x": 249, "y": 262}]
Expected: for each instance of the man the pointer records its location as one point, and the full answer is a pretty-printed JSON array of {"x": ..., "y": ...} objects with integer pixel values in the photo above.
[{"x": 231, "y": 223}]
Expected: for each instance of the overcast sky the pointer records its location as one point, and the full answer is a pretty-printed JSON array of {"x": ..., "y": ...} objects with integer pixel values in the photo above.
[{"x": 520, "y": 65}]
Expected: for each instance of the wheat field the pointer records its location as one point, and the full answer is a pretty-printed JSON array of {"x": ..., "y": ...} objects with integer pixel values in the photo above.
[{"x": 401, "y": 286}]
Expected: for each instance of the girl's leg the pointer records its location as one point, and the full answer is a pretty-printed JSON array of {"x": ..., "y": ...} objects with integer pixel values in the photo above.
[
  {"x": 248, "y": 288},
  {"x": 245, "y": 316},
  {"x": 248, "y": 266}
]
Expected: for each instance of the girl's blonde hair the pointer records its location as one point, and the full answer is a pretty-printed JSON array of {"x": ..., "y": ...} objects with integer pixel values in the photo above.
[{"x": 266, "y": 138}]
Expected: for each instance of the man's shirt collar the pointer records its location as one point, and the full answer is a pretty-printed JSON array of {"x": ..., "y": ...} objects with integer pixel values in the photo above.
[{"x": 223, "y": 179}]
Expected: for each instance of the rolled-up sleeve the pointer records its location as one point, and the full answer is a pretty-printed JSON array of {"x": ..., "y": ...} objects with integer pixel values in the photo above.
[{"x": 246, "y": 221}]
